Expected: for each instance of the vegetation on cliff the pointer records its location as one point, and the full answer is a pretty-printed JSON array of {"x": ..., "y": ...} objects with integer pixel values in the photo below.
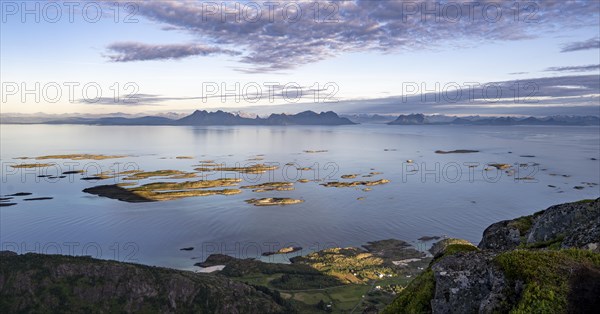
[
  {"x": 547, "y": 262},
  {"x": 53, "y": 283}
]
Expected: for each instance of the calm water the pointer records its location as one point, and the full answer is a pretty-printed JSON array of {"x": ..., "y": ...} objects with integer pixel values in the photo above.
[{"x": 453, "y": 200}]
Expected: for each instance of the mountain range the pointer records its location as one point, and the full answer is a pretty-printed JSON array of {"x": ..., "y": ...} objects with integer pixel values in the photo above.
[
  {"x": 420, "y": 119},
  {"x": 203, "y": 117}
]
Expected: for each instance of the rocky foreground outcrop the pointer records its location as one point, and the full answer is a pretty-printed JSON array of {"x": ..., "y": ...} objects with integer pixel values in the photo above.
[
  {"x": 544, "y": 263},
  {"x": 571, "y": 225},
  {"x": 53, "y": 283}
]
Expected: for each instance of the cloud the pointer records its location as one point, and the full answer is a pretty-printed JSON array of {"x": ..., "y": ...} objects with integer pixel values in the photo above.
[
  {"x": 581, "y": 68},
  {"x": 592, "y": 43},
  {"x": 133, "y": 51},
  {"x": 288, "y": 35},
  {"x": 570, "y": 95}
]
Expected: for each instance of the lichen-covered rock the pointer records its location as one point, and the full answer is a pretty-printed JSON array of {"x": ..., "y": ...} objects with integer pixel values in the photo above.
[
  {"x": 501, "y": 236},
  {"x": 468, "y": 282},
  {"x": 566, "y": 225},
  {"x": 577, "y": 223}
]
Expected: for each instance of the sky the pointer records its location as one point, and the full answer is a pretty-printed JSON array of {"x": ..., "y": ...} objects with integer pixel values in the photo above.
[{"x": 358, "y": 56}]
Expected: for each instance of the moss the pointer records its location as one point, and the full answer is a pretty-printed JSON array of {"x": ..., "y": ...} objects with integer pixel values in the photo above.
[
  {"x": 523, "y": 224},
  {"x": 416, "y": 297},
  {"x": 553, "y": 244},
  {"x": 585, "y": 201},
  {"x": 439, "y": 248},
  {"x": 455, "y": 248},
  {"x": 546, "y": 275}
]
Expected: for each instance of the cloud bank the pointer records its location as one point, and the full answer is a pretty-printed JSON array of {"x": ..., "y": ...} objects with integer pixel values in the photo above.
[
  {"x": 581, "y": 68},
  {"x": 544, "y": 96},
  {"x": 592, "y": 43},
  {"x": 133, "y": 51},
  {"x": 285, "y": 35}
]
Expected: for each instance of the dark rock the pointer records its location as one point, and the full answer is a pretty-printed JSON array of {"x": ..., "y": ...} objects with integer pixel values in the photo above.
[
  {"x": 116, "y": 192},
  {"x": 92, "y": 178},
  {"x": 501, "y": 236},
  {"x": 73, "y": 172},
  {"x": 428, "y": 238},
  {"x": 20, "y": 194},
  {"x": 38, "y": 198},
  {"x": 457, "y": 151}
]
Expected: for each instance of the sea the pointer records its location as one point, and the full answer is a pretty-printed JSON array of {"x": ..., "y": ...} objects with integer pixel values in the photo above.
[{"x": 428, "y": 194}]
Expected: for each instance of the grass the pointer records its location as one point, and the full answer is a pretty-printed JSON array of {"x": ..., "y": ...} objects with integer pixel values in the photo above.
[
  {"x": 523, "y": 224},
  {"x": 416, "y": 297},
  {"x": 585, "y": 201},
  {"x": 349, "y": 265},
  {"x": 552, "y": 244},
  {"x": 459, "y": 247},
  {"x": 546, "y": 275},
  {"x": 442, "y": 246}
]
